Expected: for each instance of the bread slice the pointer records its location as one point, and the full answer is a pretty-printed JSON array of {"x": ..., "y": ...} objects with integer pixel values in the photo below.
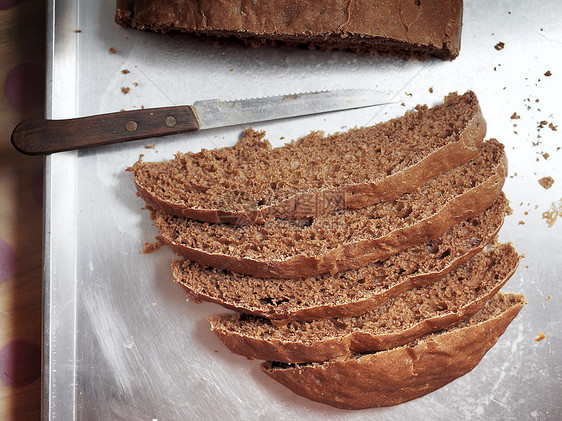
[
  {"x": 253, "y": 183},
  {"x": 415, "y": 313},
  {"x": 346, "y": 293},
  {"x": 416, "y": 29},
  {"x": 401, "y": 374},
  {"x": 346, "y": 239}
]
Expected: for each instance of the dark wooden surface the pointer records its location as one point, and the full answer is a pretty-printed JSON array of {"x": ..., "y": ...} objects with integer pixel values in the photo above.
[{"x": 22, "y": 94}]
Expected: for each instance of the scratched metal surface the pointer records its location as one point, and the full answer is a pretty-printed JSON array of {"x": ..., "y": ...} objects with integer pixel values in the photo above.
[{"x": 121, "y": 342}]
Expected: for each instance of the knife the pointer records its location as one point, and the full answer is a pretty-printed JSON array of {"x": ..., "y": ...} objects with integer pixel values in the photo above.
[{"x": 40, "y": 137}]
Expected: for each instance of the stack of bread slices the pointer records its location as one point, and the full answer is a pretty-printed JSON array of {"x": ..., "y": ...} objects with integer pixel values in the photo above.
[{"x": 363, "y": 267}]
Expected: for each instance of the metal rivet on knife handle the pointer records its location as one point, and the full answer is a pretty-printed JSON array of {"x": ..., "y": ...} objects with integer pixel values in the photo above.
[
  {"x": 170, "y": 121},
  {"x": 131, "y": 126}
]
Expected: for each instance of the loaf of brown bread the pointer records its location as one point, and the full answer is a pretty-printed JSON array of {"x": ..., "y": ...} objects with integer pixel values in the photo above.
[
  {"x": 252, "y": 182},
  {"x": 414, "y": 29},
  {"x": 346, "y": 239},
  {"x": 413, "y": 314},
  {"x": 401, "y": 374},
  {"x": 346, "y": 293}
]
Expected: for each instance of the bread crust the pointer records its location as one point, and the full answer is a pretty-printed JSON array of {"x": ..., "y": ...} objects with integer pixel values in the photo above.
[
  {"x": 352, "y": 196},
  {"x": 282, "y": 316},
  {"x": 423, "y": 29},
  {"x": 391, "y": 377},
  {"x": 359, "y": 253},
  {"x": 359, "y": 341}
]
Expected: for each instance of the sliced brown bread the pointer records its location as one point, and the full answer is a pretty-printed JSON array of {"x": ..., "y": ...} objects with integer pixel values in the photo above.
[
  {"x": 401, "y": 374},
  {"x": 346, "y": 239},
  {"x": 416, "y": 29},
  {"x": 346, "y": 293},
  {"x": 252, "y": 182},
  {"x": 413, "y": 314}
]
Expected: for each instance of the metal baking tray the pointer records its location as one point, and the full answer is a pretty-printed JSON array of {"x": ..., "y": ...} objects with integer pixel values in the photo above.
[{"x": 120, "y": 340}]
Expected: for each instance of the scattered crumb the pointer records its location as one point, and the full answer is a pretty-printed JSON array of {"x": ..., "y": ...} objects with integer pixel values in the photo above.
[
  {"x": 552, "y": 127},
  {"x": 514, "y": 116},
  {"x": 499, "y": 46},
  {"x": 552, "y": 214},
  {"x": 152, "y": 247},
  {"x": 545, "y": 155},
  {"x": 409, "y": 94},
  {"x": 521, "y": 223},
  {"x": 154, "y": 304},
  {"x": 78, "y": 31},
  {"x": 136, "y": 84},
  {"x": 542, "y": 124},
  {"x": 216, "y": 350},
  {"x": 540, "y": 337},
  {"x": 430, "y": 90},
  {"x": 150, "y": 146},
  {"x": 125, "y": 90},
  {"x": 231, "y": 69},
  {"x": 403, "y": 104},
  {"x": 112, "y": 50},
  {"x": 548, "y": 298},
  {"x": 546, "y": 182},
  {"x": 548, "y": 73},
  {"x": 125, "y": 71}
]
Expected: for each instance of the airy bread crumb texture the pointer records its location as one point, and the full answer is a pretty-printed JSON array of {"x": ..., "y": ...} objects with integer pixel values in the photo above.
[
  {"x": 283, "y": 238},
  {"x": 416, "y": 312},
  {"x": 398, "y": 375},
  {"x": 345, "y": 293},
  {"x": 252, "y": 175}
]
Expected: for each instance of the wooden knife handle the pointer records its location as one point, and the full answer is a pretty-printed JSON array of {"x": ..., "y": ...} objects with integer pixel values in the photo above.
[{"x": 40, "y": 137}]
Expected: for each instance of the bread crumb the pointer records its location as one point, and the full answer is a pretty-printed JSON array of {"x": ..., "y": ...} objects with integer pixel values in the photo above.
[
  {"x": 152, "y": 247},
  {"x": 545, "y": 155},
  {"x": 542, "y": 124},
  {"x": 552, "y": 126},
  {"x": 540, "y": 337},
  {"x": 548, "y": 73},
  {"x": 548, "y": 298},
  {"x": 546, "y": 182},
  {"x": 552, "y": 214},
  {"x": 521, "y": 223},
  {"x": 430, "y": 90},
  {"x": 150, "y": 146},
  {"x": 514, "y": 116},
  {"x": 125, "y": 90},
  {"x": 78, "y": 31},
  {"x": 112, "y": 50},
  {"x": 136, "y": 84},
  {"x": 125, "y": 71},
  {"x": 499, "y": 46}
]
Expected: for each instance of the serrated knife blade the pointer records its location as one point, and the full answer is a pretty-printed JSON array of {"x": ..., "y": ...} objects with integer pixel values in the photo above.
[{"x": 40, "y": 137}]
